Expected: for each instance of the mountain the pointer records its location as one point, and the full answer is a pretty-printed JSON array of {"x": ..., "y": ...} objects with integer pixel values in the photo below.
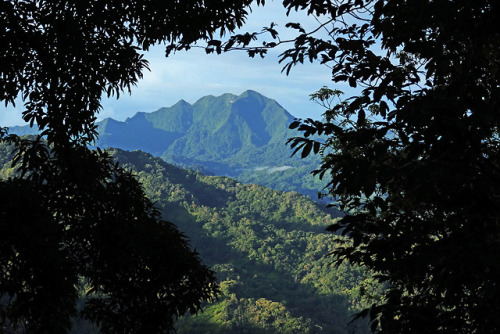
[
  {"x": 24, "y": 130},
  {"x": 238, "y": 136},
  {"x": 228, "y": 129}
]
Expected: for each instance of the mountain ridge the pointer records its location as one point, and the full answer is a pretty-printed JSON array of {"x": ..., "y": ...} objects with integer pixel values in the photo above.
[
  {"x": 242, "y": 136},
  {"x": 212, "y": 128}
]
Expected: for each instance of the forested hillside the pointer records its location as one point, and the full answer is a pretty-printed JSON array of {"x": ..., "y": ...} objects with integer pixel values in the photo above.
[{"x": 267, "y": 247}]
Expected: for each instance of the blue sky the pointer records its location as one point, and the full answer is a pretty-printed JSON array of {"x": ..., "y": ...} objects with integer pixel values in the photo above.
[{"x": 193, "y": 74}]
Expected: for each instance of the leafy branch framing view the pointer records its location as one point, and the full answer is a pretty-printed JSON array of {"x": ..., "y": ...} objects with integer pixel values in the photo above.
[{"x": 415, "y": 169}]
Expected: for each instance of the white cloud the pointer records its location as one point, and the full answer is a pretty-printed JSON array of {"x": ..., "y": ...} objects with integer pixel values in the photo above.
[{"x": 193, "y": 74}]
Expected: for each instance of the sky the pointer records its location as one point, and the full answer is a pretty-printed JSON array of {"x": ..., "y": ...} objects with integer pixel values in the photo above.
[{"x": 193, "y": 74}]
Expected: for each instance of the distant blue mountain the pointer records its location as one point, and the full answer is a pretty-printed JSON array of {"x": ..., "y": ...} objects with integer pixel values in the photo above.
[
  {"x": 24, "y": 130},
  {"x": 243, "y": 131},
  {"x": 239, "y": 136}
]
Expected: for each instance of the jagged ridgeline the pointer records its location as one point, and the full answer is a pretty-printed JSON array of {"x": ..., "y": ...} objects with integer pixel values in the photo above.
[
  {"x": 239, "y": 136},
  {"x": 268, "y": 249}
]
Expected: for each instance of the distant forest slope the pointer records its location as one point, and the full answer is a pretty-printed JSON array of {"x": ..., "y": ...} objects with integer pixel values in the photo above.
[
  {"x": 238, "y": 136},
  {"x": 239, "y": 131},
  {"x": 267, "y": 247}
]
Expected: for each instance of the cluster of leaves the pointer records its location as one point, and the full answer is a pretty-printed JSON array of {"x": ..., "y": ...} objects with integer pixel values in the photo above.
[
  {"x": 61, "y": 224},
  {"x": 414, "y": 157},
  {"x": 70, "y": 213}
]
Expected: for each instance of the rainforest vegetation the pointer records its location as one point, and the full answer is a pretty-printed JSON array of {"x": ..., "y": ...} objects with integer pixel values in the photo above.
[
  {"x": 268, "y": 249},
  {"x": 411, "y": 156}
]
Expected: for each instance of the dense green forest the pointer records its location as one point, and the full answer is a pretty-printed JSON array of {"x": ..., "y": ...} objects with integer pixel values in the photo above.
[
  {"x": 267, "y": 247},
  {"x": 412, "y": 151}
]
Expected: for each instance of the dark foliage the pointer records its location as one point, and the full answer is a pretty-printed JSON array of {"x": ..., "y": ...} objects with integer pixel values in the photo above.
[
  {"x": 67, "y": 228},
  {"x": 414, "y": 157},
  {"x": 70, "y": 217}
]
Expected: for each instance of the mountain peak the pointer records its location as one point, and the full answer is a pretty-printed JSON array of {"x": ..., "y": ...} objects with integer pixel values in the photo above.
[
  {"x": 250, "y": 92},
  {"x": 254, "y": 96},
  {"x": 182, "y": 103},
  {"x": 214, "y": 128}
]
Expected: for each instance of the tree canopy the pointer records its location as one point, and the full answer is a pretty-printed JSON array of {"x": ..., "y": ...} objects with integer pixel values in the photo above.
[
  {"x": 414, "y": 158},
  {"x": 72, "y": 221},
  {"x": 414, "y": 155}
]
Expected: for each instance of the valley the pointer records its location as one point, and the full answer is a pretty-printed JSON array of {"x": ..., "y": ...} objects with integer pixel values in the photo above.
[{"x": 268, "y": 247}]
